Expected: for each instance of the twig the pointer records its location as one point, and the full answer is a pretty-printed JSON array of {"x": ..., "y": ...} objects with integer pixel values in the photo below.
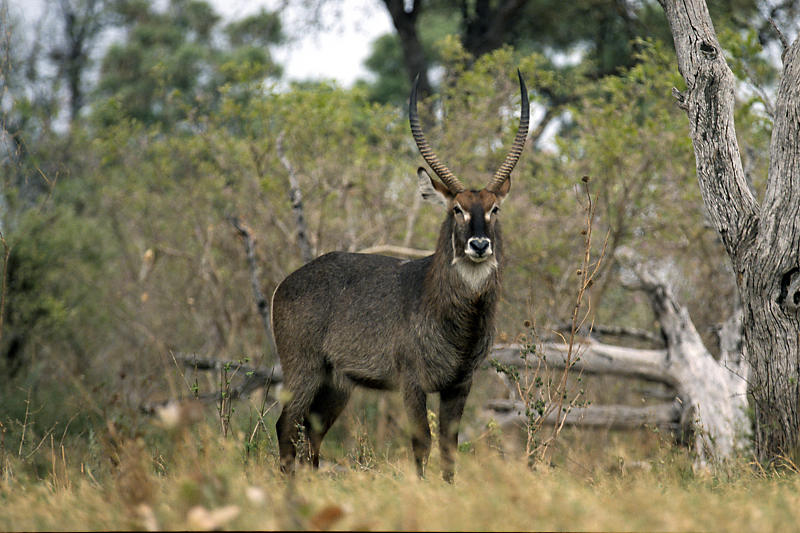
[
  {"x": 587, "y": 279},
  {"x": 255, "y": 377},
  {"x": 781, "y": 36},
  {"x": 261, "y": 414},
  {"x": 66, "y": 428},
  {"x": 542, "y": 400},
  {"x": 271, "y": 375},
  {"x": 765, "y": 99},
  {"x": 4, "y": 282},
  {"x": 24, "y": 423},
  {"x": 46, "y": 434}
]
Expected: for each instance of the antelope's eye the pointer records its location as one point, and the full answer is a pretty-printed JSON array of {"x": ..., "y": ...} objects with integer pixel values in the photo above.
[
  {"x": 495, "y": 210},
  {"x": 457, "y": 210}
]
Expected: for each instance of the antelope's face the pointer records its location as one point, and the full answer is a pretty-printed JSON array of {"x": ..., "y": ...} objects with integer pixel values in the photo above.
[
  {"x": 474, "y": 214},
  {"x": 474, "y": 230}
]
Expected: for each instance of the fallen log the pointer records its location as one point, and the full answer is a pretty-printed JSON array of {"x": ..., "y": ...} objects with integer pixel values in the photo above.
[
  {"x": 252, "y": 378},
  {"x": 662, "y": 415},
  {"x": 593, "y": 357},
  {"x": 712, "y": 393},
  {"x": 264, "y": 376}
]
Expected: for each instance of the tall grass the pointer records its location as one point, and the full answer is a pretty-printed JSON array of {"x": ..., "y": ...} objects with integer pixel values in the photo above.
[{"x": 189, "y": 476}]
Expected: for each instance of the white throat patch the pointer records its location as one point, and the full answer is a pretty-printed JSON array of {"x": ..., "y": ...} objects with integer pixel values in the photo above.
[{"x": 475, "y": 275}]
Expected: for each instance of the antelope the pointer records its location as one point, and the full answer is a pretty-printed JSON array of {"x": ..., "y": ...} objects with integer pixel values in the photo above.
[{"x": 421, "y": 326}]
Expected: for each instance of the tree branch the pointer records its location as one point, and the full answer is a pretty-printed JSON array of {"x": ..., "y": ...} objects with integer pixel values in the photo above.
[
  {"x": 538, "y": 131},
  {"x": 781, "y": 36},
  {"x": 296, "y": 198},
  {"x": 405, "y": 22},
  {"x": 715, "y": 397},
  {"x": 252, "y": 379},
  {"x": 261, "y": 302},
  {"x": 709, "y": 102},
  {"x": 271, "y": 375},
  {"x": 781, "y": 210}
]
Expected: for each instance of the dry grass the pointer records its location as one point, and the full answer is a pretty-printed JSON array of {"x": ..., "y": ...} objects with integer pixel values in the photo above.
[{"x": 195, "y": 479}]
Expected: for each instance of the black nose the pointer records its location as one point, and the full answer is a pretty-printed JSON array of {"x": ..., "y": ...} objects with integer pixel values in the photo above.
[{"x": 479, "y": 245}]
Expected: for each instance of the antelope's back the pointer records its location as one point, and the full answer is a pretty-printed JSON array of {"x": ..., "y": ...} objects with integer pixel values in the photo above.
[{"x": 352, "y": 308}]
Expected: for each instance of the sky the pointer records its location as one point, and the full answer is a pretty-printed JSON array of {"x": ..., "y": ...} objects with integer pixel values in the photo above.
[
  {"x": 337, "y": 51},
  {"x": 335, "y": 48}
]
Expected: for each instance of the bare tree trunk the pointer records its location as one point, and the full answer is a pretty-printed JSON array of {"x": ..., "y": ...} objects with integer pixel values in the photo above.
[
  {"x": 82, "y": 26},
  {"x": 763, "y": 242},
  {"x": 486, "y": 24},
  {"x": 405, "y": 22},
  {"x": 715, "y": 396}
]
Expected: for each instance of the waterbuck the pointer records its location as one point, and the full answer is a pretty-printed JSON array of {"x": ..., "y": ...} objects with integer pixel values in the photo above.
[{"x": 420, "y": 326}]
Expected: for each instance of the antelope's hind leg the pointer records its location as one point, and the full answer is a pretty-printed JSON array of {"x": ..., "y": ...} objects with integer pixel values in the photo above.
[
  {"x": 295, "y": 410},
  {"x": 328, "y": 404}
]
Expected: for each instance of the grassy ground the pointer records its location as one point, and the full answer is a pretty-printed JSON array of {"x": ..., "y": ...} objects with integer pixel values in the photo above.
[{"x": 193, "y": 478}]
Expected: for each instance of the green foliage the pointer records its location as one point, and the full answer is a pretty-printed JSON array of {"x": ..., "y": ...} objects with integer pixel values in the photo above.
[
  {"x": 746, "y": 56},
  {"x": 386, "y": 63},
  {"x": 261, "y": 30},
  {"x": 123, "y": 255},
  {"x": 632, "y": 140},
  {"x": 171, "y": 63},
  {"x": 52, "y": 277},
  {"x": 601, "y": 36},
  {"x": 162, "y": 197},
  {"x": 391, "y": 83}
]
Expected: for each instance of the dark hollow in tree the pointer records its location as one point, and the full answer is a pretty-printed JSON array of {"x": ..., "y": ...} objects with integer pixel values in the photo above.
[{"x": 419, "y": 326}]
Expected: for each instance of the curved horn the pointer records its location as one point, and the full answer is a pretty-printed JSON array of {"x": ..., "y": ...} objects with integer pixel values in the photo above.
[
  {"x": 505, "y": 169},
  {"x": 442, "y": 171}
]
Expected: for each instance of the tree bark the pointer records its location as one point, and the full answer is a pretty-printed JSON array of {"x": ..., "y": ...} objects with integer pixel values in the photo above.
[{"x": 763, "y": 242}]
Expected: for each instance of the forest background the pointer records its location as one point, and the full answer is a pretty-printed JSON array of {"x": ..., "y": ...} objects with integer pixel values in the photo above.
[{"x": 125, "y": 160}]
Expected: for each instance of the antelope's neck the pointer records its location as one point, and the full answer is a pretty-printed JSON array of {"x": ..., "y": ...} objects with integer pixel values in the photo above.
[
  {"x": 460, "y": 285},
  {"x": 457, "y": 314}
]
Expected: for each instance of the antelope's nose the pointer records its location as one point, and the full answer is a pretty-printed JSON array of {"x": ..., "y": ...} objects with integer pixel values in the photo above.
[{"x": 479, "y": 245}]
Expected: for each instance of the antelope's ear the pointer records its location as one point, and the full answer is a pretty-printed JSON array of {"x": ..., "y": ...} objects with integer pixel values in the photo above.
[
  {"x": 431, "y": 190},
  {"x": 503, "y": 190}
]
